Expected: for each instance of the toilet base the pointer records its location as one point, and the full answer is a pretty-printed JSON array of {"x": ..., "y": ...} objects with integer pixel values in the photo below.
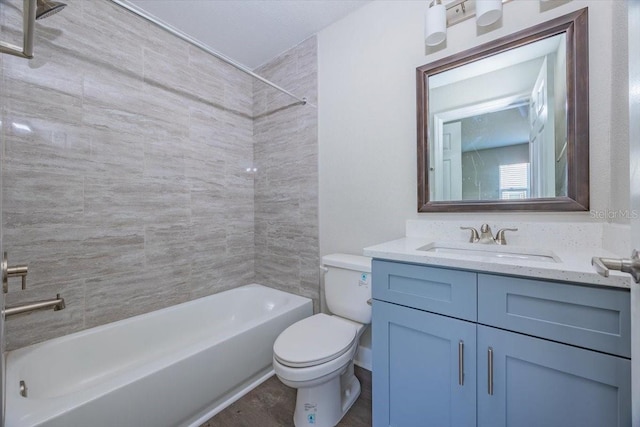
[{"x": 324, "y": 405}]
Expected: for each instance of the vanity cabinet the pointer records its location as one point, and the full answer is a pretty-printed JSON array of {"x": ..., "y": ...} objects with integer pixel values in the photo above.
[{"x": 460, "y": 348}]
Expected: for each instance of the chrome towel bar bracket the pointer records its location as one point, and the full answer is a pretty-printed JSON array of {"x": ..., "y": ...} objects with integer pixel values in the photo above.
[{"x": 15, "y": 271}]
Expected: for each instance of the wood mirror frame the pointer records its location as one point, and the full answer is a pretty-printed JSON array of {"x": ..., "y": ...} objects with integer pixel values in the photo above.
[{"x": 575, "y": 26}]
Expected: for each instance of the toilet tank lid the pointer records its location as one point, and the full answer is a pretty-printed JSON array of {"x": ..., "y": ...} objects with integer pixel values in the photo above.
[{"x": 348, "y": 261}]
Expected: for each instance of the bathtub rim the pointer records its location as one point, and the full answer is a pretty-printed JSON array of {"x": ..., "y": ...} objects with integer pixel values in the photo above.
[{"x": 23, "y": 351}]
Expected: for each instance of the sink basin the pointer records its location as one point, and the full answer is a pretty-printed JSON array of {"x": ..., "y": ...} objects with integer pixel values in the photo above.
[{"x": 496, "y": 252}]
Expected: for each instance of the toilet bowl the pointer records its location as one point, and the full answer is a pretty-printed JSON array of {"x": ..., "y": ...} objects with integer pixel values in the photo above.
[{"x": 315, "y": 355}]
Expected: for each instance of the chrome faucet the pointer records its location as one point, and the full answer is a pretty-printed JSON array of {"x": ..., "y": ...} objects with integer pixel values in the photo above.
[
  {"x": 486, "y": 235},
  {"x": 56, "y": 304},
  {"x": 21, "y": 271}
]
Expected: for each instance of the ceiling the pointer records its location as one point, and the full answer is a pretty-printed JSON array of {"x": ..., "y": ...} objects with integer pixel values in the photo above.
[{"x": 250, "y": 32}]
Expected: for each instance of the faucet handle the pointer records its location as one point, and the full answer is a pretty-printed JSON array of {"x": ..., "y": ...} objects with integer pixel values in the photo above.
[
  {"x": 474, "y": 234},
  {"x": 500, "y": 239}
]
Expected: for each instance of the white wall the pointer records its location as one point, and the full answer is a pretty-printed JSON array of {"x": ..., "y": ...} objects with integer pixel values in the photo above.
[
  {"x": 620, "y": 112},
  {"x": 367, "y": 116}
]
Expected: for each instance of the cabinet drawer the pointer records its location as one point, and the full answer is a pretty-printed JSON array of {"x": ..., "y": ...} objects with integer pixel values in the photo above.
[
  {"x": 594, "y": 318},
  {"x": 438, "y": 290}
]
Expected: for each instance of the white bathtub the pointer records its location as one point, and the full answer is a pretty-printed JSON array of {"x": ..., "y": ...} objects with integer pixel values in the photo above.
[{"x": 173, "y": 367}]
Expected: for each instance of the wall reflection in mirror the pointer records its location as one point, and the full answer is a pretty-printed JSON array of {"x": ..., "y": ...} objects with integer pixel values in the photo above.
[{"x": 499, "y": 126}]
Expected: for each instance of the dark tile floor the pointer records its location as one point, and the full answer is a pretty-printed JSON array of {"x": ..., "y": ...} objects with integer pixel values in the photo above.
[{"x": 271, "y": 404}]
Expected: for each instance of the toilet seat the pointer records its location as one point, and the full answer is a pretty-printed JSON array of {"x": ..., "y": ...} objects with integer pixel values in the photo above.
[
  {"x": 313, "y": 375},
  {"x": 314, "y": 340}
]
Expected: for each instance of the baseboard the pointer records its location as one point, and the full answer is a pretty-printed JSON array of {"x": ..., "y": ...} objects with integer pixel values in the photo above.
[{"x": 363, "y": 358}]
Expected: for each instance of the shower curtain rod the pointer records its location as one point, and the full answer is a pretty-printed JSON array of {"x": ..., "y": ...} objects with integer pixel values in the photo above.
[{"x": 138, "y": 11}]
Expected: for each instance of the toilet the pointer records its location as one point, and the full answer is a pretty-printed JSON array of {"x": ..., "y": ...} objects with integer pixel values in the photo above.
[{"x": 315, "y": 355}]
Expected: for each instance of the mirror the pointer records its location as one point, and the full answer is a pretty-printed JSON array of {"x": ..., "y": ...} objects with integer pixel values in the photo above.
[{"x": 505, "y": 125}]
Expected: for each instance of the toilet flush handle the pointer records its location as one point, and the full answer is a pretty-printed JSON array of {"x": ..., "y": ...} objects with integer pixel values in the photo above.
[{"x": 370, "y": 301}]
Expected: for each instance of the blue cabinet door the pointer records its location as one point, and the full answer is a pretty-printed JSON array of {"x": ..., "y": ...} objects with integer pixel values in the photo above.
[
  {"x": 544, "y": 383},
  {"x": 417, "y": 357}
]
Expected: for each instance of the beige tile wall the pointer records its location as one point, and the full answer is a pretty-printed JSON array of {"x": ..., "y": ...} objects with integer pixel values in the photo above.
[
  {"x": 286, "y": 156},
  {"x": 129, "y": 192}
]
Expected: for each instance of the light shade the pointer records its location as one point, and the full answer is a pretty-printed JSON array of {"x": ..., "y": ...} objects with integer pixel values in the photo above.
[
  {"x": 488, "y": 12},
  {"x": 435, "y": 25}
]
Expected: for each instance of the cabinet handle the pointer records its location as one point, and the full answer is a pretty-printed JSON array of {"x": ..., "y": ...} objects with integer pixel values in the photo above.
[
  {"x": 490, "y": 369},
  {"x": 461, "y": 362}
]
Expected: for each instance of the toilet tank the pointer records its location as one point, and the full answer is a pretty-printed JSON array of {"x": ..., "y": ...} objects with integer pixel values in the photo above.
[{"x": 347, "y": 286}]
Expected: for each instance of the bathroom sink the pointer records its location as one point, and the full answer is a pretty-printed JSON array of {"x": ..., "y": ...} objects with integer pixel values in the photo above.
[{"x": 497, "y": 252}]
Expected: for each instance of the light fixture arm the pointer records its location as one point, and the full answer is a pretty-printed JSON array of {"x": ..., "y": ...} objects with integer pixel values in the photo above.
[{"x": 461, "y": 10}]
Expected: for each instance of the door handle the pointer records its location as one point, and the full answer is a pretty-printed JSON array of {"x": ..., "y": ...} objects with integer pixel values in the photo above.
[
  {"x": 626, "y": 265},
  {"x": 461, "y": 362},
  {"x": 490, "y": 371}
]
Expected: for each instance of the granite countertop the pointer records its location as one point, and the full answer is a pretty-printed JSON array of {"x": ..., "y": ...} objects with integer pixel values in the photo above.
[{"x": 572, "y": 264}]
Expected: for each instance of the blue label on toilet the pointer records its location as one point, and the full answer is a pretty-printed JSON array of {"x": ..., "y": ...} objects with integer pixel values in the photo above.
[
  {"x": 311, "y": 409},
  {"x": 364, "y": 279}
]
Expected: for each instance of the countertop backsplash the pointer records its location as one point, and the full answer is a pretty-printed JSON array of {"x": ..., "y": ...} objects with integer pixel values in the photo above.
[{"x": 545, "y": 235}]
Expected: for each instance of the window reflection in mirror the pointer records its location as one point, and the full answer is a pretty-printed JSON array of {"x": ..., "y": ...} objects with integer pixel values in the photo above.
[{"x": 499, "y": 126}]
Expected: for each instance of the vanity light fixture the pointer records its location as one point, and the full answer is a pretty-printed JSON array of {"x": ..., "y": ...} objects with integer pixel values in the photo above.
[
  {"x": 488, "y": 12},
  {"x": 435, "y": 23},
  {"x": 445, "y": 13}
]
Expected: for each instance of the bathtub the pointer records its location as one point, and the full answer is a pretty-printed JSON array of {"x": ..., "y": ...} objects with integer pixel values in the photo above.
[{"x": 177, "y": 366}]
